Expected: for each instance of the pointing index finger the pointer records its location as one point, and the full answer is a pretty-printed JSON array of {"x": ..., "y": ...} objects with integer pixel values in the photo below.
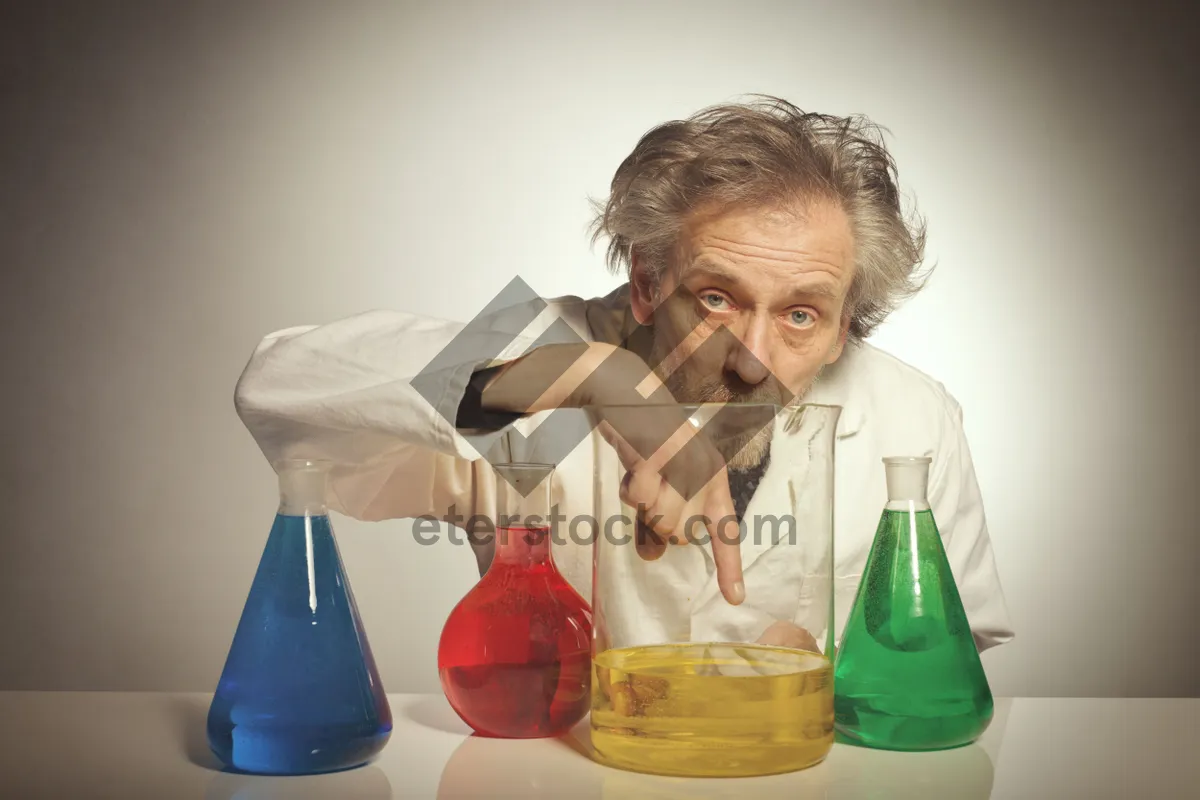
[{"x": 725, "y": 535}]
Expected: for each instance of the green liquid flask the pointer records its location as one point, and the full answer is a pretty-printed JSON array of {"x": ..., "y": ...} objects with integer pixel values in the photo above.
[{"x": 908, "y": 674}]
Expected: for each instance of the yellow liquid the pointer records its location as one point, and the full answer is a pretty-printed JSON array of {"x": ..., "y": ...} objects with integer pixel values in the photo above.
[{"x": 718, "y": 710}]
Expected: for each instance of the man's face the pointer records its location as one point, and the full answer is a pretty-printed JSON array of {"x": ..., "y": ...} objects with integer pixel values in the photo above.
[{"x": 775, "y": 278}]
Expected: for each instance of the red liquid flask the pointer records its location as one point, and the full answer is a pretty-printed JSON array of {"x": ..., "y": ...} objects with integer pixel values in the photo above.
[{"x": 515, "y": 654}]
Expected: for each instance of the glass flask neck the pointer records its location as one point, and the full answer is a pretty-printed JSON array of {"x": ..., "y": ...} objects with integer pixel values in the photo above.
[
  {"x": 522, "y": 547},
  {"x": 523, "y": 498},
  {"x": 907, "y": 483},
  {"x": 302, "y": 487}
]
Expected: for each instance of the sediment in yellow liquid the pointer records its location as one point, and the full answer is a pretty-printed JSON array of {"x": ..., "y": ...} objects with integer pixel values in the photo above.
[{"x": 720, "y": 710}]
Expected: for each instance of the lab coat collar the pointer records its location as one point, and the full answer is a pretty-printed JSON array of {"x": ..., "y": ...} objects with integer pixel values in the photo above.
[{"x": 834, "y": 387}]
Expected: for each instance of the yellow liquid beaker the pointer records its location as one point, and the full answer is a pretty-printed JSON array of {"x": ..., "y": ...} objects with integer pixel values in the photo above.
[
  {"x": 718, "y": 710},
  {"x": 686, "y": 682}
]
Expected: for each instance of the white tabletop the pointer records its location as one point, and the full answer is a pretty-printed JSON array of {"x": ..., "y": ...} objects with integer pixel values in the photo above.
[{"x": 135, "y": 745}]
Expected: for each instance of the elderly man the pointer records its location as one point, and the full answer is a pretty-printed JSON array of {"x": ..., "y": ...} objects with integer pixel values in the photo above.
[{"x": 762, "y": 245}]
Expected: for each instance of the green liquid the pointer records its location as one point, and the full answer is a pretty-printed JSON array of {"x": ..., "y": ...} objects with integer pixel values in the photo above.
[{"x": 908, "y": 674}]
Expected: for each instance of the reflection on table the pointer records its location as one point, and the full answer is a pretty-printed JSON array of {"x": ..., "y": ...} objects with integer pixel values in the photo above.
[
  {"x": 365, "y": 782},
  {"x": 482, "y": 767}
]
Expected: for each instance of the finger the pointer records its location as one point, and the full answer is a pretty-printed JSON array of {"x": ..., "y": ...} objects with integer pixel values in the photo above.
[
  {"x": 680, "y": 439},
  {"x": 665, "y": 516},
  {"x": 626, "y": 453},
  {"x": 649, "y": 545},
  {"x": 642, "y": 487},
  {"x": 785, "y": 634},
  {"x": 726, "y": 540},
  {"x": 695, "y": 528},
  {"x": 677, "y": 521},
  {"x": 643, "y": 428},
  {"x": 690, "y": 470}
]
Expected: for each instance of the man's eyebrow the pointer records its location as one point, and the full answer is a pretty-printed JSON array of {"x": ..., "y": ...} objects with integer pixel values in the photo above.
[
  {"x": 822, "y": 289},
  {"x": 818, "y": 288},
  {"x": 716, "y": 269}
]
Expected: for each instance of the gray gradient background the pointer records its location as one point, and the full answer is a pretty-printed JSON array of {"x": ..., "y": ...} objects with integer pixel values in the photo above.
[{"x": 180, "y": 179}]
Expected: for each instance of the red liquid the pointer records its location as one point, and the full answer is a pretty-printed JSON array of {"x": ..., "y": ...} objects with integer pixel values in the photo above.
[{"x": 515, "y": 654}]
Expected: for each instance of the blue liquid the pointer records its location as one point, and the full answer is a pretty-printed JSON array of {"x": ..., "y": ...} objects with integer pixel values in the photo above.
[{"x": 300, "y": 692}]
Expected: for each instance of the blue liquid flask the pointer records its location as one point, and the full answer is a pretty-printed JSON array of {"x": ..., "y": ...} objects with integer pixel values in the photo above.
[{"x": 300, "y": 692}]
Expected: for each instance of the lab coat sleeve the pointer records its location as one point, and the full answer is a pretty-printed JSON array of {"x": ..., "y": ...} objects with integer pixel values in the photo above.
[
  {"x": 361, "y": 394},
  {"x": 957, "y": 505}
]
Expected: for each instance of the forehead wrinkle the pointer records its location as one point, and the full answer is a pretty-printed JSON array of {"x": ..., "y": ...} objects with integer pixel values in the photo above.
[
  {"x": 796, "y": 258},
  {"x": 737, "y": 277},
  {"x": 813, "y": 223},
  {"x": 784, "y": 255}
]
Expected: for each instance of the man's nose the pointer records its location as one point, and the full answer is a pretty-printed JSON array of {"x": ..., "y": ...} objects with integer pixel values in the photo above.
[{"x": 751, "y": 361}]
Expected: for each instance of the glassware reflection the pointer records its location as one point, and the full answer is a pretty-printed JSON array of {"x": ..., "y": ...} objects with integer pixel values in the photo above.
[
  {"x": 964, "y": 772},
  {"x": 556, "y": 768},
  {"x": 369, "y": 782}
]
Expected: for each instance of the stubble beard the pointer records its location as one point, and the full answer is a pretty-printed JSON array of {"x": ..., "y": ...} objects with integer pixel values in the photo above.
[{"x": 742, "y": 451}]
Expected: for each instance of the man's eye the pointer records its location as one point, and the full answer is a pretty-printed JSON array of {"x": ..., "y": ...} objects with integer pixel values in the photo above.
[
  {"x": 801, "y": 318},
  {"x": 713, "y": 300}
]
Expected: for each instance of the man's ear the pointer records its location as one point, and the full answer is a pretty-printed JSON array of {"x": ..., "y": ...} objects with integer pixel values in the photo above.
[{"x": 643, "y": 290}]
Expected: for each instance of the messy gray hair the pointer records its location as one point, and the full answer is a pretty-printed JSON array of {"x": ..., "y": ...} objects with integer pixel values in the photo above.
[{"x": 759, "y": 153}]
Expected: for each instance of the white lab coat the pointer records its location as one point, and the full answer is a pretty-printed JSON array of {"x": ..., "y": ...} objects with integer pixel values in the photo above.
[{"x": 345, "y": 392}]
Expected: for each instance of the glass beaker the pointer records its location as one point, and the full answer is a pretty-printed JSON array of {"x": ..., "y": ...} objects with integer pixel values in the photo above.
[
  {"x": 300, "y": 692},
  {"x": 514, "y": 657},
  {"x": 685, "y": 683},
  {"x": 908, "y": 671}
]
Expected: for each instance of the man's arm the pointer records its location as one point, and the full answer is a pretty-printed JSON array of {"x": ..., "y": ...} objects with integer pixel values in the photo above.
[
  {"x": 381, "y": 395},
  {"x": 958, "y": 509},
  {"x": 347, "y": 392}
]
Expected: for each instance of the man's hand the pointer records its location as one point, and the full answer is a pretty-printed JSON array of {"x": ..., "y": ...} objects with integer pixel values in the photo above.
[
  {"x": 680, "y": 488},
  {"x": 676, "y": 478},
  {"x": 785, "y": 634}
]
